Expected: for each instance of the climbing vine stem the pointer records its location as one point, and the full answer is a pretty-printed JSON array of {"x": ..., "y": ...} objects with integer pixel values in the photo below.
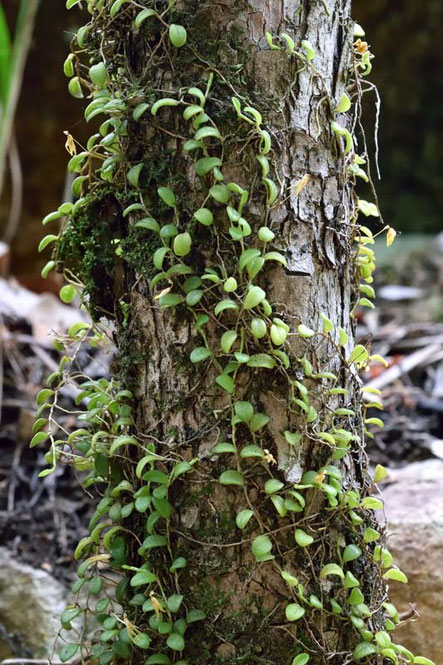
[{"x": 179, "y": 187}]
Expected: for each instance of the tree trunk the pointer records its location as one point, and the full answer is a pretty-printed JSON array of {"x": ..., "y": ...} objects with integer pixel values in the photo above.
[{"x": 269, "y": 422}]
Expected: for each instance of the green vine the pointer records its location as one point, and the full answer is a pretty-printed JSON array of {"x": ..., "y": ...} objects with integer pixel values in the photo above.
[{"x": 133, "y": 560}]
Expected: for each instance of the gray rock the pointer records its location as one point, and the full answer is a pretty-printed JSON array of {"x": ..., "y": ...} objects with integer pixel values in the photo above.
[
  {"x": 414, "y": 508},
  {"x": 31, "y": 602}
]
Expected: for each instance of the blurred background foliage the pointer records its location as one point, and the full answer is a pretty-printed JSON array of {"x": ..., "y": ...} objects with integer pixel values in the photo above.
[{"x": 408, "y": 71}]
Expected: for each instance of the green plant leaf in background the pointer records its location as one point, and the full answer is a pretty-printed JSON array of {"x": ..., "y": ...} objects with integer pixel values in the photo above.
[
  {"x": 13, "y": 55},
  {"x": 5, "y": 57}
]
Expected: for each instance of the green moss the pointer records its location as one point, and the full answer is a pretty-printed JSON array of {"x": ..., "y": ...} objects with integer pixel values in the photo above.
[
  {"x": 86, "y": 247},
  {"x": 243, "y": 635},
  {"x": 137, "y": 250},
  {"x": 126, "y": 366}
]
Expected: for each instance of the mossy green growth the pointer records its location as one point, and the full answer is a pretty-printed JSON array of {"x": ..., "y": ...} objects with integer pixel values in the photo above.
[{"x": 86, "y": 246}]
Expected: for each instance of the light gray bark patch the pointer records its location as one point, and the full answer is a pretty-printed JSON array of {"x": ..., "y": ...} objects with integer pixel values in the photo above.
[{"x": 299, "y": 258}]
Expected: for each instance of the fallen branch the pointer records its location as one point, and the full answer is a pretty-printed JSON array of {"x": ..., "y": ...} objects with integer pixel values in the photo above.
[{"x": 430, "y": 353}]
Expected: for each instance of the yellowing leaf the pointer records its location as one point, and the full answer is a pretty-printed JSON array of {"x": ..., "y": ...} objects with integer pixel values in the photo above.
[
  {"x": 70, "y": 144},
  {"x": 390, "y": 236},
  {"x": 319, "y": 478},
  {"x": 162, "y": 293},
  {"x": 99, "y": 557},
  {"x": 269, "y": 457},
  {"x": 378, "y": 358},
  {"x": 380, "y": 473},
  {"x": 395, "y": 574},
  {"x": 301, "y": 184},
  {"x": 156, "y": 604}
]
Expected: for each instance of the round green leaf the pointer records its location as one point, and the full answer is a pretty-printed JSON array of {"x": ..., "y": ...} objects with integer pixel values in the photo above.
[
  {"x": 206, "y": 164},
  {"x": 244, "y": 411},
  {"x": 224, "y": 447},
  {"x": 195, "y": 615},
  {"x": 167, "y": 195},
  {"x": 182, "y": 244},
  {"x": 69, "y": 615},
  {"x": 358, "y": 355},
  {"x": 328, "y": 326},
  {"x": 294, "y": 611},
  {"x": 395, "y": 574},
  {"x": 278, "y": 335},
  {"x": 356, "y": 597},
  {"x": 230, "y": 285},
  {"x": 315, "y": 602},
  {"x": 142, "y": 640},
  {"x": 293, "y": 438},
  {"x": 194, "y": 297},
  {"x": 372, "y": 503},
  {"x": 273, "y": 485},
  {"x": 344, "y": 104},
  {"x": 258, "y": 421},
  {"x": 75, "y": 88},
  {"x": 178, "y": 563},
  {"x": 68, "y": 651},
  {"x": 224, "y": 304},
  {"x": 38, "y": 438},
  {"x": 262, "y": 360},
  {"x": 265, "y": 234},
  {"x": 258, "y": 328},
  {"x": 351, "y": 553},
  {"x": 227, "y": 340},
  {"x": 166, "y": 101},
  {"x": 380, "y": 473},
  {"x": 383, "y": 639},
  {"x": 175, "y": 642},
  {"x": 231, "y": 477},
  {"x": 199, "y": 354},
  {"x": 149, "y": 224},
  {"x": 302, "y": 538},
  {"x": 174, "y": 602},
  {"x": 47, "y": 240},
  {"x": 251, "y": 451},
  {"x": 98, "y": 75},
  {"x": 143, "y": 15},
  {"x": 226, "y": 382},
  {"x": 304, "y": 331},
  {"x": 370, "y": 535},
  {"x": 220, "y": 193},
  {"x": 331, "y": 569},
  {"x": 204, "y": 216},
  {"x": 261, "y": 548},
  {"x": 301, "y": 659},
  {"x": 243, "y": 518},
  {"x": 133, "y": 174},
  {"x": 143, "y": 577},
  {"x": 207, "y": 132},
  {"x": 350, "y": 581},
  {"x": 177, "y": 35},
  {"x": 67, "y": 293},
  {"x": 364, "y": 649},
  {"x": 139, "y": 110},
  {"x": 158, "y": 659},
  {"x": 254, "y": 297}
]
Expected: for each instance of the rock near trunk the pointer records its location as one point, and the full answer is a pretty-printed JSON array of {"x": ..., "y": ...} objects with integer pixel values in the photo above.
[
  {"x": 414, "y": 506},
  {"x": 31, "y": 602}
]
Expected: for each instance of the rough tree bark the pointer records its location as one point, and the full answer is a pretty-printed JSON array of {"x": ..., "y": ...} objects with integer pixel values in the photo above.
[
  {"x": 182, "y": 407},
  {"x": 177, "y": 406}
]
